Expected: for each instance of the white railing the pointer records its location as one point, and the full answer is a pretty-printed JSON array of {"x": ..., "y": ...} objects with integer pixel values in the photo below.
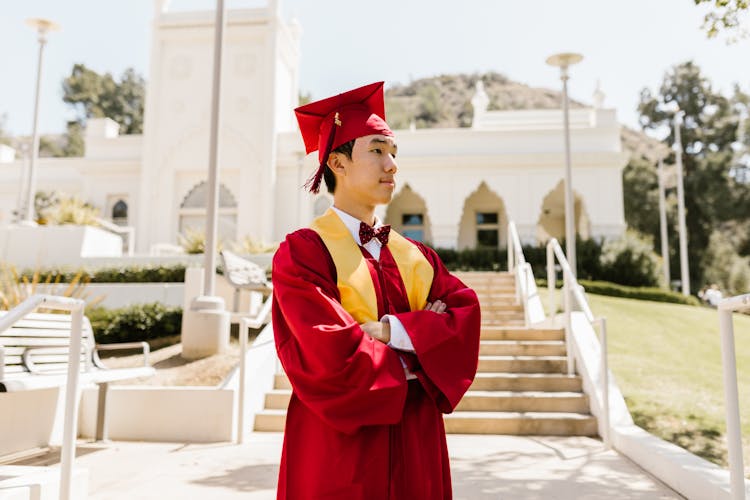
[
  {"x": 731, "y": 400},
  {"x": 573, "y": 291},
  {"x": 245, "y": 324},
  {"x": 517, "y": 264},
  {"x": 75, "y": 306},
  {"x": 128, "y": 231}
]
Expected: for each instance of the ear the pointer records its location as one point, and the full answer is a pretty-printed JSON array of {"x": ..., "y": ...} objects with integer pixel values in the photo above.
[{"x": 336, "y": 164}]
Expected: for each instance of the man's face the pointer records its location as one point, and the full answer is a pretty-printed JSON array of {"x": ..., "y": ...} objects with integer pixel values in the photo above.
[{"x": 369, "y": 176}]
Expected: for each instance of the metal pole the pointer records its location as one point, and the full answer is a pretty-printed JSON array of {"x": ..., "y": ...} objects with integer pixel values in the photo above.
[
  {"x": 244, "y": 326},
  {"x": 605, "y": 381},
  {"x": 731, "y": 402},
  {"x": 70, "y": 426},
  {"x": 209, "y": 277},
  {"x": 685, "y": 273},
  {"x": 510, "y": 249},
  {"x": 567, "y": 286},
  {"x": 570, "y": 235},
  {"x": 663, "y": 225},
  {"x": 31, "y": 186},
  {"x": 551, "y": 280}
]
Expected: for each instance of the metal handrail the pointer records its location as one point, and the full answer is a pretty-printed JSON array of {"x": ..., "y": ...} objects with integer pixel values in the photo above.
[
  {"x": 75, "y": 306},
  {"x": 573, "y": 290},
  {"x": 731, "y": 399},
  {"x": 245, "y": 324},
  {"x": 517, "y": 264}
]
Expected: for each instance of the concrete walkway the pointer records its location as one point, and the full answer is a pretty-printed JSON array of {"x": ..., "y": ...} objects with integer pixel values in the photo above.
[{"x": 484, "y": 467}]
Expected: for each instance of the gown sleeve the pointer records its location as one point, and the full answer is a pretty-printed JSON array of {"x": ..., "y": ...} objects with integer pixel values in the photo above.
[
  {"x": 340, "y": 373},
  {"x": 446, "y": 345}
]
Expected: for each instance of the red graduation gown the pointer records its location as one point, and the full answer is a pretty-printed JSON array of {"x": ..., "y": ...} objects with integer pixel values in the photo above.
[{"x": 356, "y": 428}]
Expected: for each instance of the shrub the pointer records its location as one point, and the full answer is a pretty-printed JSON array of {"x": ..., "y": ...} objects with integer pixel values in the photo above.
[
  {"x": 630, "y": 260},
  {"x": 629, "y": 292},
  {"x": 140, "y": 322},
  {"x": 724, "y": 266},
  {"x": 131, "y": 274},
  {"x": 15, "y": 288}
]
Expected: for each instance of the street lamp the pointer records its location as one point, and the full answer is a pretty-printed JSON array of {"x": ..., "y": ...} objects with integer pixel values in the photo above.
[
  {"x": 42, "y": 26},
  {"x": 663, "y": 225},
  {"x": 685, "y": 273},
  {"x": 562, "y": 61}
]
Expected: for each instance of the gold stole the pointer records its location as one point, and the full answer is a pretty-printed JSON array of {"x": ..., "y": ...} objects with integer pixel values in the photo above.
[{"x": 353, "y": 277}]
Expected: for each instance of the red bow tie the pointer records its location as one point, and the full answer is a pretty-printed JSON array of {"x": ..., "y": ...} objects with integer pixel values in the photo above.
[{"x": 366, "y": 233}]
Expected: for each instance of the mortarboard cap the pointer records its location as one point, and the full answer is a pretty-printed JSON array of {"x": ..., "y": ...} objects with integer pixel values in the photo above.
[{"x": 331, "y": 122}]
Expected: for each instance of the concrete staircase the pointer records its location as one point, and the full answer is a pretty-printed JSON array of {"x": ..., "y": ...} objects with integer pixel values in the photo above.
[{"x": 521, "y": 385}]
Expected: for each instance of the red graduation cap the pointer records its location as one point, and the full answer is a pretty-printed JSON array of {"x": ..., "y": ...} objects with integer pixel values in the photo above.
[{"x": 336, "y": 120}]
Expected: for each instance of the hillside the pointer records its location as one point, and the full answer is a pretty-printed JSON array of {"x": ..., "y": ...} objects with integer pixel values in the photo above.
[{"x": 444, "y": 101}]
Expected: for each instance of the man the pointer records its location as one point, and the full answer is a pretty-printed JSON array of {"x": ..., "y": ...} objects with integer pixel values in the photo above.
[{"x": 376, "y": 337}]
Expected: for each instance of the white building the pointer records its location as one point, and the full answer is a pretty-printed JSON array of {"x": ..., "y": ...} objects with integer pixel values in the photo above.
[{"x": 456, "y": 187}]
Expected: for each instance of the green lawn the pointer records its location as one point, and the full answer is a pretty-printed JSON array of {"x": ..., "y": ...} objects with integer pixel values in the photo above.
[{"x": 666, "y": 359}]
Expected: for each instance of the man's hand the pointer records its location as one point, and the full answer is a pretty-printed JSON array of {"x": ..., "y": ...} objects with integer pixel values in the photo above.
[
  {"x": 437, "y": 306},
  {"x": 379, "y": 330}
]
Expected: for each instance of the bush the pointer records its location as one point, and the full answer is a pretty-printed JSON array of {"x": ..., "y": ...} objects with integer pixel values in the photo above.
[
  {"x": 629, "y": 292},
  {"x": 133, "y": 274},
  {"x": 631, "y": 261},
  {"x": 724, "y": 266},
  {"x": 135, "y": 323}
]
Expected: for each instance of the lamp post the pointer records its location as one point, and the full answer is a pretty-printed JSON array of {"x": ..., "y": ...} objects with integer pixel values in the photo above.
[
  {"x": 563, "y": 61},
  {"x": 663, "y": 225},
  {"x": 205, "y": 328},
  {"x": 42, "y": 26},
  {"x": 685, "y": 272}
]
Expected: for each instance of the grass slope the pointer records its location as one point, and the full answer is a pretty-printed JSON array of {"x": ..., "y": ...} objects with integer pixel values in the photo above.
[{"x": 666, "y": 359}]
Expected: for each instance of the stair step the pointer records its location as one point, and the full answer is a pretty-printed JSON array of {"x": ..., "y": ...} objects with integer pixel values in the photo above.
[
  {"x": 520, "y": 423},
  {"x": 525, "y": 401},
  {"x": 504, "y": 333},
  {"x": 503, "y": 322},
  {"x": 498, "y": 307},
  {"x": 270, "y": 421},
  {"x": 553, "y": 382},
  {"x": 522, "y": 364},
  {"x": 278, "y": 399},
  {"x": 522, "y": 348},
  {"x": 281, "y": 381}
]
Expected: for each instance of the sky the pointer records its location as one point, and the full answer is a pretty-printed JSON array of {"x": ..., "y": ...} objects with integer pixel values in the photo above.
[{"x": 627, "y": 45}]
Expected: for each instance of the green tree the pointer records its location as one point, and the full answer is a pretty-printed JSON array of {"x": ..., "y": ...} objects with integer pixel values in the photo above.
[
  {"x": 725, "y": 16},
  {"x": 95, "y": 96},
  {"x": 708, "y": 135}
]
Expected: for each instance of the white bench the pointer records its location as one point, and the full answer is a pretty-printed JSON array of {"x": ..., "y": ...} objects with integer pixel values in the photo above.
[{"x": 34, "y": 355}]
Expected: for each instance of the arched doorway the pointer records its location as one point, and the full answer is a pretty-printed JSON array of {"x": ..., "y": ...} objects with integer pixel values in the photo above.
[
  {"x": 407, "y": 214},
  {"x": 484, "y": 221},
  {"x": 551, "y": 222},
  {"x": 193, "y": 211}
]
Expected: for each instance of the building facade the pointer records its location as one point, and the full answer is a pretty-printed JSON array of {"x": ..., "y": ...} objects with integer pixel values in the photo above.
[{"x": 457, "y": 188}]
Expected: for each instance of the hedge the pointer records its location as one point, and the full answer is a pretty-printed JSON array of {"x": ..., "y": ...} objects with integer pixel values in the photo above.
[
  {"x": 136, "y": 323},
  {"x": 131, "y": 274},
  {"x": 629, "y": 292}
]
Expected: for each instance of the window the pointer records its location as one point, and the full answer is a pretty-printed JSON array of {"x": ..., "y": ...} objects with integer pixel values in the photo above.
[
  {"x": 120, "y": 213},
  {"x": 488, "y": 229},
  {"x": 413, "y": 226}
]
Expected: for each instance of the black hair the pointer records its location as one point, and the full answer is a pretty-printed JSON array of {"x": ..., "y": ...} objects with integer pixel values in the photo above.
[{"x": 330, "y": 179}]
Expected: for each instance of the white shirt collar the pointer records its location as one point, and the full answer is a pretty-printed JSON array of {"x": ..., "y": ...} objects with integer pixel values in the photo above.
[{"x": 352, "y": 224}]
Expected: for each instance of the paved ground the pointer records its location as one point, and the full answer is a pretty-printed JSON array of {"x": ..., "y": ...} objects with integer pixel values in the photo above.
[{"x": 484, "y": 467}]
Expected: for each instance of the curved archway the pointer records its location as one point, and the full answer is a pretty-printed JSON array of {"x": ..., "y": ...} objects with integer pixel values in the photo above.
[
  {"x": 120, "y": 212},
  {"x": 192, "y": 213},
  {"x": 551, "y": 223},
  {"x": 484, "y": 221},
  {"x": 407, "y": 214}
]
